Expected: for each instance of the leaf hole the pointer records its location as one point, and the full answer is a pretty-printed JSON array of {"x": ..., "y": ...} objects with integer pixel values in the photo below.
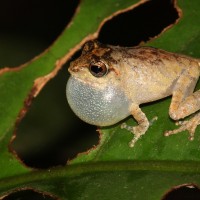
[
  {"x": 183, "y": 192},
  {"x": 139, "y": 24},
  {"x": 50, "y": 134},
  {"x": 31, "y": 27},
  {"x": 28, "y": 194}
]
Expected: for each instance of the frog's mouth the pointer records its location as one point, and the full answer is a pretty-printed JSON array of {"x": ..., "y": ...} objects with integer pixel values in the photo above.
[{"x": 90, "y": 82}]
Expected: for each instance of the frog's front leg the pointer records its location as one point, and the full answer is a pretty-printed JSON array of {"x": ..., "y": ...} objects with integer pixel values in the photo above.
[
  {"x": 185, "y": 102},
  {"x": 141, "y": 128}
]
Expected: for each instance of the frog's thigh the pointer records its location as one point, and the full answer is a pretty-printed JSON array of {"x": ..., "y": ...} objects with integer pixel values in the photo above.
[{"x": 184, "y": 101}]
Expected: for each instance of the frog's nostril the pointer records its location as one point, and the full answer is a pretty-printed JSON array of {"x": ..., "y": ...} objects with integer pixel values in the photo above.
[{"x": 74, "y": 69}]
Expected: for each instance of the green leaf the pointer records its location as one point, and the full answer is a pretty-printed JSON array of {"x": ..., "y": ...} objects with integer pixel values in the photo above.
[
  {"x": 115, "y": 180},
  {"x": 112, "y": 170}
]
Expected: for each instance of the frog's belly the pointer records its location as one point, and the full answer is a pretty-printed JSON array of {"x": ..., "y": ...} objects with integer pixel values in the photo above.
[
  {"x": 99, "y": 107},
  {"x": 143, "y": 90}
]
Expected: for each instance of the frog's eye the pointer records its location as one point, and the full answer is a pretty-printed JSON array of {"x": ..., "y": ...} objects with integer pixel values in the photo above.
[{"x": 98, "y": 69}]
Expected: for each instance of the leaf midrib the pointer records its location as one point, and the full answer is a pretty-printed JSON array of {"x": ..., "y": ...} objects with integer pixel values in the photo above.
[{"x": 80, "y": 169}]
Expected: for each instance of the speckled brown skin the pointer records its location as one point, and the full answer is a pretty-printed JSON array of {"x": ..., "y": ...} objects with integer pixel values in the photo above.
[{"x": 145, "y": 74}]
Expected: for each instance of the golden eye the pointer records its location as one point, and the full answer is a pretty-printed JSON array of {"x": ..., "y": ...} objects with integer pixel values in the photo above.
[{"x": 98, "y": 69}]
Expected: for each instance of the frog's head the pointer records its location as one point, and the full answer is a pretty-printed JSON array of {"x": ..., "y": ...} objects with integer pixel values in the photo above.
[
  {"x": 93, "y": 90},
  {"x": 95, "y": 65}
]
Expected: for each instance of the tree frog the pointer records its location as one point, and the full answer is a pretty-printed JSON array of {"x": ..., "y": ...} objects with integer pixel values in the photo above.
[{"x": 109, "y": 83}]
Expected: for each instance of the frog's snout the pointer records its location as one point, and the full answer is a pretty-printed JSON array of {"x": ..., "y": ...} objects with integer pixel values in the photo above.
[{"x": 74, "y": 68}]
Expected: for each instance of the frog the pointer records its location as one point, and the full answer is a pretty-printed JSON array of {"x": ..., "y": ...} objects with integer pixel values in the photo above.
[{"x": 109, "y": 83}]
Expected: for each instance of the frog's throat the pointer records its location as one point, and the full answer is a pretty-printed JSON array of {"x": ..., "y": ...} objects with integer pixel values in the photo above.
[
  {"x": 87, "y": 81},
  {"x": 101, "y": 107}
]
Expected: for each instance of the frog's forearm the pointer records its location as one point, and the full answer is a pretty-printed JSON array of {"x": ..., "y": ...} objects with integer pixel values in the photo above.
[
  {"x": 140, "y": 117},
  {"x": 143, "y": 124}
]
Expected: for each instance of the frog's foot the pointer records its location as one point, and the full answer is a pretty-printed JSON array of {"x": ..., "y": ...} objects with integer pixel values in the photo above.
[
  {"x": 189, "y": 125},
  {"x": 138, "y": 131},
  {"x": 153, "y": 120}
]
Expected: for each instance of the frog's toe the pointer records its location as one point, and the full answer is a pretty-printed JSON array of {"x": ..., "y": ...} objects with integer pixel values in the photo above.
[
  {"x": 127, "y": 127},
  {"x": 123, "y": 126},
  {"x": 153, "y": 120},
  {"x": 133, "y": 141}
]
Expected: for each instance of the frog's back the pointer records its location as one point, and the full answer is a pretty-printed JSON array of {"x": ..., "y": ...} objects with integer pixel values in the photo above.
[
  {"x": 141, "y": 56},
  {"x": 149, "y": 61},
  {"x": 151, "y": 71}
]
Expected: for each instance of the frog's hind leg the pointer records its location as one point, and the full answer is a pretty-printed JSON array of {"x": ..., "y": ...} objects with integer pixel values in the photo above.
[{"x": 185, "y": 102}]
